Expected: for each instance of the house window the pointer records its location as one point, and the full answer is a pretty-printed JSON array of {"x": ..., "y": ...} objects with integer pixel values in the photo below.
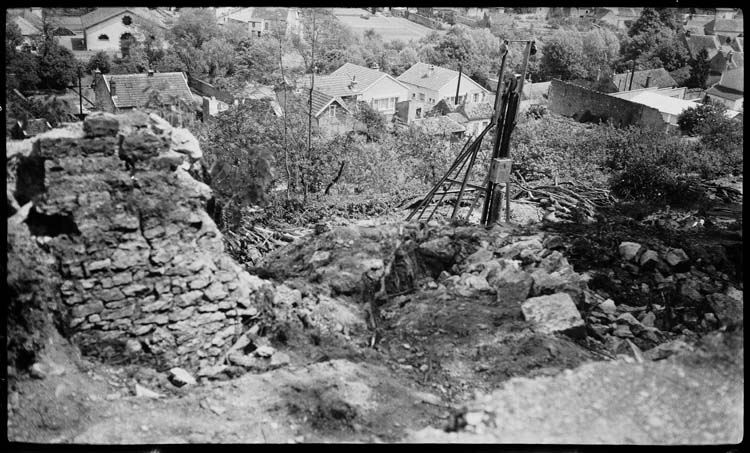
[
  {"x": 419, "y": 113},
  {"x": 78, "y": 44},
  {"x": 332, "y": 111},
  {"x": 421, "y": 97},
  {"x": 265, "y": 26},
  {"x": 127, "y": 20},
  {"x": 103, "y": 38},
  {"x": 414, "y": 95},
  {"x": 476, "y": 97}
]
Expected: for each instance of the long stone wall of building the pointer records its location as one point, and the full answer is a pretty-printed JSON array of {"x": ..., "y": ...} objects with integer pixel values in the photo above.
[
  {"x": 586, "y": 105},
  {"x": 141, "y": 262}
]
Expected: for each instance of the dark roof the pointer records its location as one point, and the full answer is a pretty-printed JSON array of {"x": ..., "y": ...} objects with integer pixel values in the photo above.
[
  {"x": 478, "y": 110},
  {"x": 73, "y": 23},
  {"x": 725, "y": 93},
  {"x": 659, "y": 78},
  {"x": 101, "y": 14},
  {"x": 132, "y": 89},
  {"x": 321, "y": 100},
  {"x": 734, "y": 79},
  {"x": 697, "y": 42}
]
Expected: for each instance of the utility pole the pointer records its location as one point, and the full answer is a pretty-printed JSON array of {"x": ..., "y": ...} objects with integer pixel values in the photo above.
[
  {"x": 80, "y": 95},
  {"x": 458, "y": 85}
]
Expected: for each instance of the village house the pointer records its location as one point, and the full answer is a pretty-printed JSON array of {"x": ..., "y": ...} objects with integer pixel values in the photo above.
[
  {"x": 643, "y": 79},
  {"x": 621, "y": 18},
  {"x": 259, "y": 21},
  {"x": 29, "y": 21},
  {"x": 429, "y": 83},
  {"x": 724, "y": 27},
  {"x": 669, "y": 107},
  {"x": 112, "y": 29},
  {"x": 354, "y": 83},
  {"x": 123, "y": 92},
  {"x": 730, "y": 90},
  {"x": 331, "y": 115}
]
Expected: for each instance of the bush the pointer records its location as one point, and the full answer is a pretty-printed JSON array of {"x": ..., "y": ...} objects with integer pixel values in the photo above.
[
  {"x": 692, "y": 119},
  {"x": 100, "y": 61}
]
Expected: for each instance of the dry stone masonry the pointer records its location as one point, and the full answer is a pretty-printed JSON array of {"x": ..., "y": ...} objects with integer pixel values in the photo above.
[{"x": 139, "y": 257}]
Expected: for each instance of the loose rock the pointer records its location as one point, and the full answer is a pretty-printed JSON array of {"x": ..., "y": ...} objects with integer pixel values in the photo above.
[{"x": 554, "y": 313}]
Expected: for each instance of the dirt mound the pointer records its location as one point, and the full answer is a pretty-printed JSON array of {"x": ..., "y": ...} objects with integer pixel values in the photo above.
[{"x": 691, "y": 398}]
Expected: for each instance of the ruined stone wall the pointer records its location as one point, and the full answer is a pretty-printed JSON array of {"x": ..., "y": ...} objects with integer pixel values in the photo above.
[
  {"x": 139, "y": 257},
  {"x": 583, "y": 104}
]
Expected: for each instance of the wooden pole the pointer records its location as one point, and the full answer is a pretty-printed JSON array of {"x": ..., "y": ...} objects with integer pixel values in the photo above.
[{"x": 458, "y": 85}]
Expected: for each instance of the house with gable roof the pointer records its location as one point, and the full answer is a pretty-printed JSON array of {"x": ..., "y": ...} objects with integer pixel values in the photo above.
[
  {"x": 110, "y": 29},
  {"x": 429, "y": 83},
  {"x": 123, "y": 92},
  {"x": 659, "y": 77},
  {"x": 724, "y": 27},
  {"x": 730, "y": 90},
  {"x": 331, "y": 114},
  {"x": 354, "y": 83}
]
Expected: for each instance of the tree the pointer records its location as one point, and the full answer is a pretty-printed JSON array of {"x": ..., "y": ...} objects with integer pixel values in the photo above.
[
  {"x": 649, "y": 22},
  {"x": 58, "y": 67},
  {"x": 653, "y": 43},
  {"x": 562, "y": 56},
  {"x": 100, "y": 61},
  {"x": 373, "y": 121},
  {"x": 699, "y": 69}
]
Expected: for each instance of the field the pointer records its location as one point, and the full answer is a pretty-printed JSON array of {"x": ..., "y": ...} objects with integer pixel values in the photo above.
[{"x": 390, "y": 28}]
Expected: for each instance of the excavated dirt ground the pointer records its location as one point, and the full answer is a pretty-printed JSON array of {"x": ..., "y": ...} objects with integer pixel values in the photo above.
[{"x": 432, "y": 349}]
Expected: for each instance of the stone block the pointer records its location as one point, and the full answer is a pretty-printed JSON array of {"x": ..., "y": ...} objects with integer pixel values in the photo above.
[
  {"x": 95, "y": 266},
  {"x": 101, "y": 124},
  {"x": 82, "y": 311},
  {"x": 215, "y": 292},
  {"x": 124, "y": 312},
  {"x": 629, "y": 250},
  {"x": 135, "y": 289},
  {"x": 554, "y": 313}
]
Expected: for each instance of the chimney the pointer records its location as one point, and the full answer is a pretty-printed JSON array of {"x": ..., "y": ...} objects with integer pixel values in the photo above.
[
  {"x": 150, "y": 73},
  {"x": 112, "y": 87},
  {"x": 431, "y": 71},
  {"x": 648, "y": 80},
  {"x": 353, "y": 84}
]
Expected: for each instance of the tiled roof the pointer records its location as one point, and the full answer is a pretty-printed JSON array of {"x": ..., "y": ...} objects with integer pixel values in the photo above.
[
  {"x": 477, "y": 111},
  {"x": 365, "y": 76},
  {"x": 73, "y": 23},
  {"x": 734, "y": 79},
  {"x": 724, "y": 25},
  {"x": 659, "y": 78},
  {"x": 27, "y": 27},
  {"x": 419, "y": 74},
  {"x": 132, "y": 89},
  {"x": 457, "y": 117},
  {"x": 438, "y": 125},
  {"x": 265, "y": 13},
  {"x": 320, "y": 101},
  {"x": 101, "y": 14},
  {"x": 339, "y": 82},
  {"x": 697, "y": 42}
]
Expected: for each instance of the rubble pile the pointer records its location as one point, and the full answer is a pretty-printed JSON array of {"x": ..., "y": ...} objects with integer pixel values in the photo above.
[{"x": 142, "y": 264}]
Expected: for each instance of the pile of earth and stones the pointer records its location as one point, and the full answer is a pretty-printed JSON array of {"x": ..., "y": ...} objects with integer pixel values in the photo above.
[{"x": 110, "y": 244}]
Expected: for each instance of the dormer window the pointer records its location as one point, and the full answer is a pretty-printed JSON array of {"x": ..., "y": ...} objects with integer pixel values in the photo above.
[
  {"x": 103, "y": 38},
  {"x": 127, "y": 20}
]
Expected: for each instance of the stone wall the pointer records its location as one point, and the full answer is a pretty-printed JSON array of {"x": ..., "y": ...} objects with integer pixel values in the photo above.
[
  {"x": 586, "y": 105},
  {"x": 139, "y": 257}
]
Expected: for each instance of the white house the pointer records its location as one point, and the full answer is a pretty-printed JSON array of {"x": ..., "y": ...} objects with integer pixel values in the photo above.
[
  {"x": 429, "y": 83},
  {"x": 352, "y": 82},
  {"x": 110, "y": 29}
]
